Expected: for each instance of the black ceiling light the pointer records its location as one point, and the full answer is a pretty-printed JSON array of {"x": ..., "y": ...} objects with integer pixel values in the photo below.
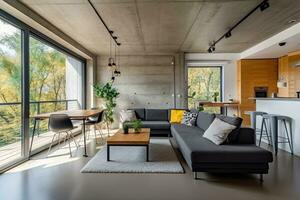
[
  {"x": 110, "y": 58},
  {"x": 262, "y": 6},
  {"x": 100, "y": 18},
  {"x": 228, "y": 34}
]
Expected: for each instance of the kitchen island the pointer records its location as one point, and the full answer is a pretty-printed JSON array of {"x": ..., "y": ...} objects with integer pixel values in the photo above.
[{"x": 283, "y": 106}]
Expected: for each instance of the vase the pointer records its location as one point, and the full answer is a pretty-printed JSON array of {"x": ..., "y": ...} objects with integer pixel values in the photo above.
[{"x": 125, "y": 130}]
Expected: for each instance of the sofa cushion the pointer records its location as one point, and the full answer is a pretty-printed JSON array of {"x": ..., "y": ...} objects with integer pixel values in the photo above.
[
  {"x": 204, "y": 120},
  {"x": 156, "y": 124},
  {"x": 235, "y": 121},
  {"x": 189, "y": 118},
  {"x": 197, "y": 149},
  {"x": 127, "y": 115},
  {"x": 176, "y": 116},
  {"x": 218, "y": 131},
  {"x": 139, "y": 112},
  {"x": 186, "y": 130},
  {"x": 153, "y": 125},
  {"x": 157, "y": 115}
]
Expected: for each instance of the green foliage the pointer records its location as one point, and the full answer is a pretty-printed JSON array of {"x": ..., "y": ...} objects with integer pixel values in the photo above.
[
  {"x": 109, "y": 94},
  {"x": 136, "y": 125},
  {"x": 47, "y": 81},
  {"x": 203, "y": 82},
  {"x": 215, "y": 95}
]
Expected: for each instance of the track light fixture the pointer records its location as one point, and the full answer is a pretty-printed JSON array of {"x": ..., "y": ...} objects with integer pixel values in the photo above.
[
  {"x": 262, "y": 6},
  {"x": 117, "y": 72},
  {"x": 211, "y": 49},
  {"x": 228, "y": 34},
  {"x": 100, "y": 18}
]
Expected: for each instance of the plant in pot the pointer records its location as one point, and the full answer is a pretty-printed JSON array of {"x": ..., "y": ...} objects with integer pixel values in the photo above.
[
  {"x": 215, "y": 96},
  {"x": 125, "y": 128},
  {"x": 109, "y": 95},
  {"x": 137, "y": 125}
]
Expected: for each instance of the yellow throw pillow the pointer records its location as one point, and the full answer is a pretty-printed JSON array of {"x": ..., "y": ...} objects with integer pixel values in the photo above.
[{"x": 176, "y": 116}]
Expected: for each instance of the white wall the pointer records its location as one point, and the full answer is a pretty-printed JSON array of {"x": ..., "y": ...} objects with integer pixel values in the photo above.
[{"x": 74, "y": 82}]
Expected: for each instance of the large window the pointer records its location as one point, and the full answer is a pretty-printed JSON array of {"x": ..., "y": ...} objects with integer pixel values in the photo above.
[
  {"x": 204, "y": 84},
  {"x": 10, "y": 93},
  {"x": 37, "y": 75},
  {"x": 55, "y": 84}
]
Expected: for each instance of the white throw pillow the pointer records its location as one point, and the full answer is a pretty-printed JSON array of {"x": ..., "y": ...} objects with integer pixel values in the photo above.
[
  {"x": 218, "y": 131},
  {"x": 127, "y": 115}
]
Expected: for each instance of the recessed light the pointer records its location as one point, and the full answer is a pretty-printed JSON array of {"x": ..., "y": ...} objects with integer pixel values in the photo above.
[
  {"x": 282, "y": 44},
  {"x": 291, "y": 21}
]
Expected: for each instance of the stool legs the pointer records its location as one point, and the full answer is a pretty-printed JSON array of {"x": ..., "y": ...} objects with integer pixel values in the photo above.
[
  {"x": 274, "y": 131},
  {"x": 264, "y": 125},
  {"x": 261, "y": 131},
  {"x": 289, "y": 135}
]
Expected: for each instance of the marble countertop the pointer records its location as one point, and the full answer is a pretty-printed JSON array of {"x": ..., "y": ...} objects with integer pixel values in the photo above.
[{"x": 276, "y": 99}]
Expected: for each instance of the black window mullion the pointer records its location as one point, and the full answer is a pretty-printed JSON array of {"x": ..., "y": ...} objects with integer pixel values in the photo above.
[{"x": 25, "y": 92}]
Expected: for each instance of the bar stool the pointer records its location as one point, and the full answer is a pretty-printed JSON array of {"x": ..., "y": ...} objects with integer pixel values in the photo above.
[
  {"x": 273, "y": 121},
  {"x": 253, "y": 119}
]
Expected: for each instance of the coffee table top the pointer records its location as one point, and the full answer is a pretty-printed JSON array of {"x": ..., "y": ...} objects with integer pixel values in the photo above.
[{"x": 131, "y": 138}]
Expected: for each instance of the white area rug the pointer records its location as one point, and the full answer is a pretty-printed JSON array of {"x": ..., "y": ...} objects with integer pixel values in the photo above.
[{"x": 130, "y": 159}]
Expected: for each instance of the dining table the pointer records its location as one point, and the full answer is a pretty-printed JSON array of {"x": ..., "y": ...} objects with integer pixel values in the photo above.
[
  {"x": 80, "y": 115},
  {"x": 221, "y": 104}
]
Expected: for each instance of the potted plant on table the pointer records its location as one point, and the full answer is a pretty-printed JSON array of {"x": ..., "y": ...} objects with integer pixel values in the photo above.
[
  {"x": 137, "y": 125},
  {"x": 109, "y": 94},
  {"x": 125, "y": 128}
]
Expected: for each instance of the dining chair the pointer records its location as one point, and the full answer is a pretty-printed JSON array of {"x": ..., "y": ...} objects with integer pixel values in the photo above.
[
  {"x": 96, "y": 122},
  {"x": 61, "y": 124}
]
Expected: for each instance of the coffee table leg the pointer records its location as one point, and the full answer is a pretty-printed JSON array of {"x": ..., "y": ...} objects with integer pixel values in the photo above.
[
  {"x": 147, "y": 152},
  {"x": 108, "y": 149}
]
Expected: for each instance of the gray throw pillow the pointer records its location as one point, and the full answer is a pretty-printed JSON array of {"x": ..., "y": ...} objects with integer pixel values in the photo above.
[
  {"x": 127, "y": 115},
  {"x": 218, "y": 131},
  {"x": 189, "y": 118}
]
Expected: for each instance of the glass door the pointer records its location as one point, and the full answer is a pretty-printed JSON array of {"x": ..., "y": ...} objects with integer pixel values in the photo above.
[
  {"x": 55, "y": 84},
  {"x": 37, "y": 75},
  {"x": 11, "y": 136}
]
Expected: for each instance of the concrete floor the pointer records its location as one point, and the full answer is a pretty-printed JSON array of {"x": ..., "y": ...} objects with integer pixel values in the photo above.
[{"x": 58, "y": 177}]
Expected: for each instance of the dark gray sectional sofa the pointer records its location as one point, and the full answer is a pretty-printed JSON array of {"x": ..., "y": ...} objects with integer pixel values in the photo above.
[
  {"x": 239, "y": 154},
  {"x": 155, "y": 119}
]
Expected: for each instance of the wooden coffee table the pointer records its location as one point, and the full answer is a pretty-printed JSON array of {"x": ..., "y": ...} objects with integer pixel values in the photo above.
[{"x": 130, "y": 139}]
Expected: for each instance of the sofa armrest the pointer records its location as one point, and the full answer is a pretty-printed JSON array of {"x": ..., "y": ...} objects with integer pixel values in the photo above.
[{"x": 246, "y": 136}]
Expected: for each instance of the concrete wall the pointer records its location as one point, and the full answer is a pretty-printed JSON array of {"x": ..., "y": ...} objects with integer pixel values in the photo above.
[
  {"x": 145, "y": 82},
  {"x": 74, "y": 82},
  {"x": 91, "y": 76}
]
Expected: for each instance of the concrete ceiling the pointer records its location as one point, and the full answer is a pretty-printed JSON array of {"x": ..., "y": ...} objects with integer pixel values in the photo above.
[{"x": 166, "y": 26}]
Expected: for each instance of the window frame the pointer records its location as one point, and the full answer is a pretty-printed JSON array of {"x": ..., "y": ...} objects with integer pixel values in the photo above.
[{"x": 204, "y": 64}]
